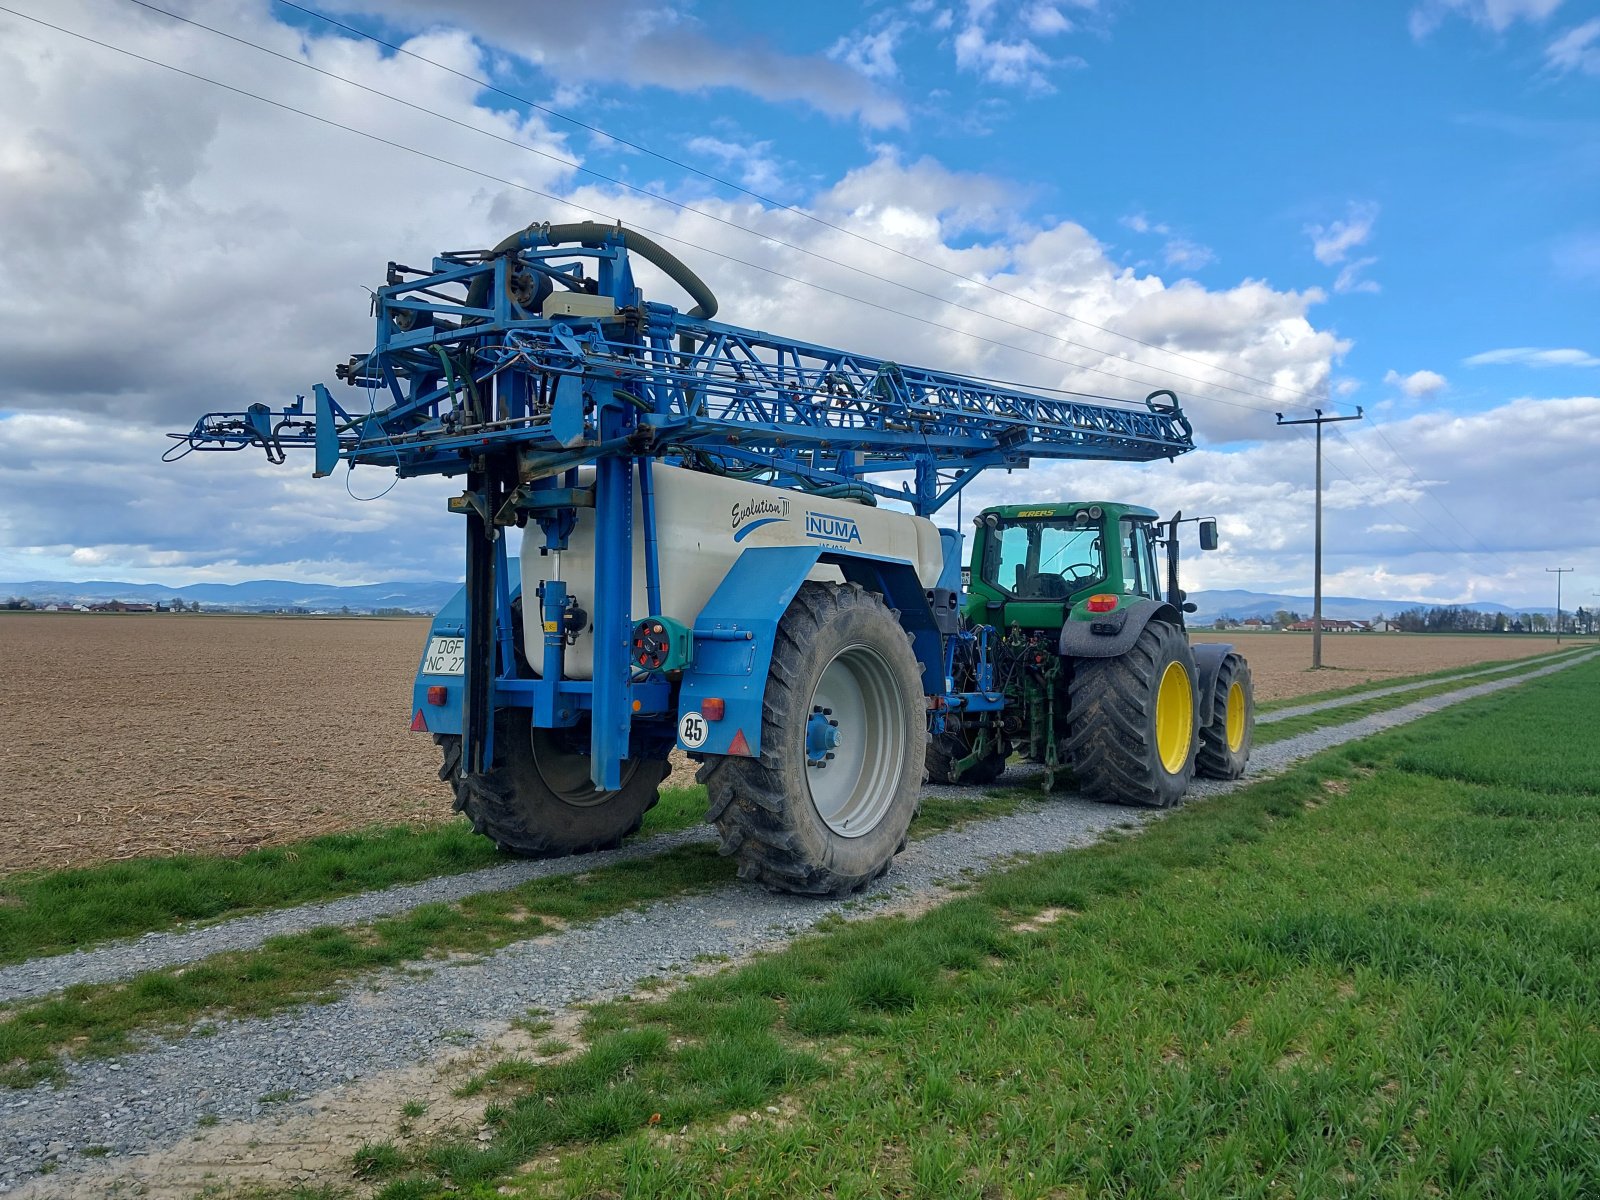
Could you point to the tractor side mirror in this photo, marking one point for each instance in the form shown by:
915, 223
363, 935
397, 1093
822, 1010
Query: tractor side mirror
1208, 534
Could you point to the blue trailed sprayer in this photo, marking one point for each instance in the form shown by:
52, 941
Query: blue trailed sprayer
727, 549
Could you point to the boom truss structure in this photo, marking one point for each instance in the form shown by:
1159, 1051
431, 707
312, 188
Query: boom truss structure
522, 349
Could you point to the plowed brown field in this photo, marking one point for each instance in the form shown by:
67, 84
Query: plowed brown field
157, 734
1280, 663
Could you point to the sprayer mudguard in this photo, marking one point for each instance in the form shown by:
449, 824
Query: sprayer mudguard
1078, 640
734, 635
449, 622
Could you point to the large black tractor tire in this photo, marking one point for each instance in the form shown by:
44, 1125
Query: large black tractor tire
828, 828
538, 802
947, 749
1225, 743
1134, 721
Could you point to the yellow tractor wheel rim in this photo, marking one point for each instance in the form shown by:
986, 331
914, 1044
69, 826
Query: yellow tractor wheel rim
1235, 716
1174, 718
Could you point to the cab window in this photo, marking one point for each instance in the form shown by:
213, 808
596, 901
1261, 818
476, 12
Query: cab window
1139, 575
1043, 559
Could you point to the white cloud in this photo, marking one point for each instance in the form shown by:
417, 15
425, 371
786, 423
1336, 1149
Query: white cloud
1578, 49
1494, 15
645, 42
1140, 223
1350, 278
871, 53
1532, 356
1419, 385
1346, 387
757, 169
1180, 252
1416, 514
1187, 255
1332, 243
1018, 63
1000, 43
1045, 20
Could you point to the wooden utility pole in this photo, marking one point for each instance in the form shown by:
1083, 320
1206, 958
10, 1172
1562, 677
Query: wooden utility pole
1558, 572
1316, 601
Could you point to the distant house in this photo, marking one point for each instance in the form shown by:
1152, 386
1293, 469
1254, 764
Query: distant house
1332, 626
122, 606
1253, 623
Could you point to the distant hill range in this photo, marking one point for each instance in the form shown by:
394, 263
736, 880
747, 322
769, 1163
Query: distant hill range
428, 596
255, 595
1243, 605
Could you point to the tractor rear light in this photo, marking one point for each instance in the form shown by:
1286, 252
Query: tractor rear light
438, 694
1104, 602
713, 708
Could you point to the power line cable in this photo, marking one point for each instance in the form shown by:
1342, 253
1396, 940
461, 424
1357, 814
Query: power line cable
688, 208
1306, 435
328, 121
1467, 529
1455, 547
1482, 552
783, 207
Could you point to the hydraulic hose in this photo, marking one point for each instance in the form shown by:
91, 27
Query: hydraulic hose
592, 233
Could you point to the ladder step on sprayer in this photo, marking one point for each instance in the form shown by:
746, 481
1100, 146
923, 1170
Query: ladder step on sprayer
706, 565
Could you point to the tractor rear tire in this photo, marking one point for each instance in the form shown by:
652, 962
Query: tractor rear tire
538, 802
795, 822
1134, 721
1225, 743
947, 749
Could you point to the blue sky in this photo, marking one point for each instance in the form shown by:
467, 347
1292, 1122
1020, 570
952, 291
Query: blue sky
1288, 205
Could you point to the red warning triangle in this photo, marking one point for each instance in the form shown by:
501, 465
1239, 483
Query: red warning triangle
739, 746
418, 725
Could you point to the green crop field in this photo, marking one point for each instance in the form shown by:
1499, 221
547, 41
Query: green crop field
1378, 974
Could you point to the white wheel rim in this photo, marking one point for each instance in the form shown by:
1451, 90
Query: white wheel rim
854, 789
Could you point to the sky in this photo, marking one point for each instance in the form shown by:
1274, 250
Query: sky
1267, 207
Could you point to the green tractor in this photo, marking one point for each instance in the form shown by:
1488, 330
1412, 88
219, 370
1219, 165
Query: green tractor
1093, 658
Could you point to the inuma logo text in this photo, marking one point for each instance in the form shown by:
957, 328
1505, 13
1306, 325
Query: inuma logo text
831, 528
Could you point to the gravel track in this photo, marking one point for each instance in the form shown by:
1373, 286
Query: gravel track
154, 1097
128, 957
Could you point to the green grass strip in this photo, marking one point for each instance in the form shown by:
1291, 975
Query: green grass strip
1376, 974
65, 910
1277, 731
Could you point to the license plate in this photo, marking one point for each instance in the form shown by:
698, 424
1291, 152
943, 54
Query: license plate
445, 656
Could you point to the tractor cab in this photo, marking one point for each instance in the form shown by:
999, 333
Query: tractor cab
1032, 564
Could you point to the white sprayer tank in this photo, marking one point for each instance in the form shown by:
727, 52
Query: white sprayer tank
703, 523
